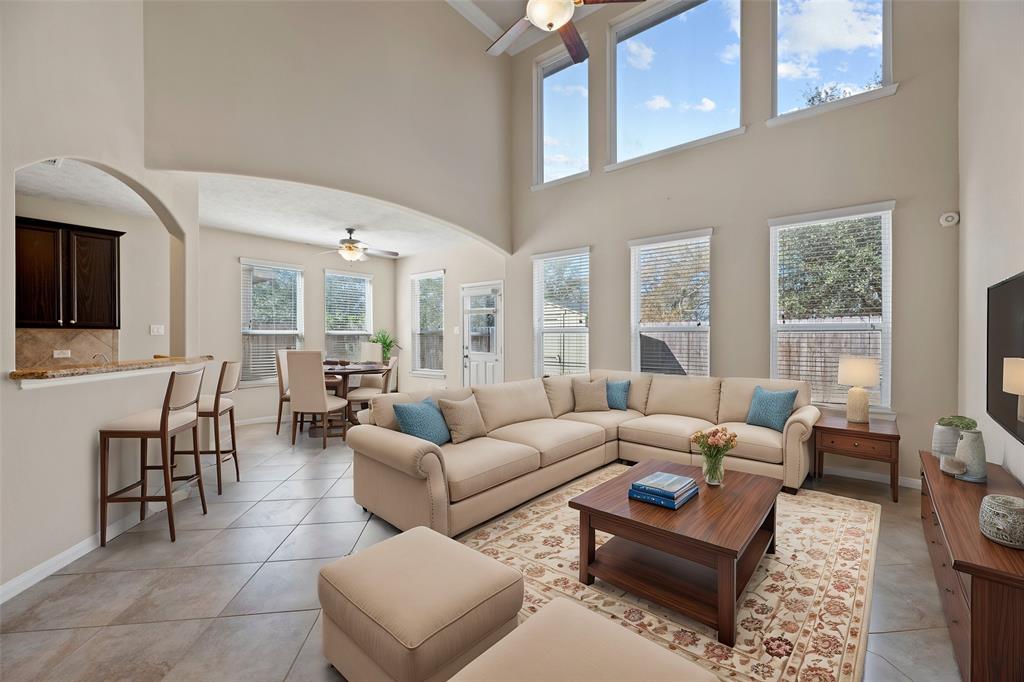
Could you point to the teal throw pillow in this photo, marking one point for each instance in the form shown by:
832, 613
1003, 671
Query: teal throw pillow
618, 394
771, 409
423, 420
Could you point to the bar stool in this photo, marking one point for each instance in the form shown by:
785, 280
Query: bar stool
179, 413
309, 392
283, 392
214, 407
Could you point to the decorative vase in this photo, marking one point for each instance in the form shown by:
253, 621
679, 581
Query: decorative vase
714, 471
970, 450
1001, 519
944, 440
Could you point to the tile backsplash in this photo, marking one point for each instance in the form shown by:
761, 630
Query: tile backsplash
34, 347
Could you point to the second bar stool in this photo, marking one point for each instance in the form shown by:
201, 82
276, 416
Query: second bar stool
216, 406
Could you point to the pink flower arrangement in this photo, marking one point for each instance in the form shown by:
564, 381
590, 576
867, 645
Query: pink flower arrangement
714, 444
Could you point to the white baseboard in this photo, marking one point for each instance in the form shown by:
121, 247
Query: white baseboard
17, 585
865, 475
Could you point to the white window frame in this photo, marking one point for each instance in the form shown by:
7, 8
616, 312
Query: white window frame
885, 208
636, 246
369, 304
299, 313
415, 314
636, 21
889, 86
550, 63
538, 309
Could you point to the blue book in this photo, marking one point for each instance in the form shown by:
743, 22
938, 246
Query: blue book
662, 501
661, 493
663, 483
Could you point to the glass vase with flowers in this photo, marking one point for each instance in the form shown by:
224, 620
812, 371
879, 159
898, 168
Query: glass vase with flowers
714, 444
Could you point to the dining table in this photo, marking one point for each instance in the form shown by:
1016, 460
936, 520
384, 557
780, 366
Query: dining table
336, 376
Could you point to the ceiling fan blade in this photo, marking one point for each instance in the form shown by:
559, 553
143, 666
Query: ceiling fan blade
573, 42
381, 252
320, 253
508, 37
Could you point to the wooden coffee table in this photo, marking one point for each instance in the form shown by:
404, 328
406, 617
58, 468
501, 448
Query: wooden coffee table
696, 560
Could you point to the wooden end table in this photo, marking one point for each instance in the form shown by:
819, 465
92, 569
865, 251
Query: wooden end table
695, 560
878, 440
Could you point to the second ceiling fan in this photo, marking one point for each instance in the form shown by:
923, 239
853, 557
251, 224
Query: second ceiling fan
550, 16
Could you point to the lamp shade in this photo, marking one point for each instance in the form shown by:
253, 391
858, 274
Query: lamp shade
855, 371
1013, 375
549, 15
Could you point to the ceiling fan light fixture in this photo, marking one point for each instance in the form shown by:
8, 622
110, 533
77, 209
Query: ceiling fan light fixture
549, 15
351, 252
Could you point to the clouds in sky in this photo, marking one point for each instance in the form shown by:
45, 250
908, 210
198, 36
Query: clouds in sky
657, 103
639, 55
808, 28
731, 53
660, 103
705, 105
551, 141
580, 90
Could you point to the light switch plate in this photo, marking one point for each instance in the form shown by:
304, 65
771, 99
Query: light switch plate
156, 330
61, 353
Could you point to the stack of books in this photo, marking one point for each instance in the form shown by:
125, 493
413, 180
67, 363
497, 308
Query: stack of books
663, 489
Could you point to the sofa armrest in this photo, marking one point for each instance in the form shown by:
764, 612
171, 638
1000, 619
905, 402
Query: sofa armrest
395, 449
797, 448
804, 420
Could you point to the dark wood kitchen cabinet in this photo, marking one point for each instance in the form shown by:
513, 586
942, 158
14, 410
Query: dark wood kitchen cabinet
67, 276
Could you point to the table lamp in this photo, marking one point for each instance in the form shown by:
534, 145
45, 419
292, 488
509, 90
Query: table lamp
1013, 382
859, 374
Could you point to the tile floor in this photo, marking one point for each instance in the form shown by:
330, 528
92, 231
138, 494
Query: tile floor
235, 597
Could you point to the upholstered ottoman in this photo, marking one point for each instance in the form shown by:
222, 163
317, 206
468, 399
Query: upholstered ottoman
567, 641
418, 606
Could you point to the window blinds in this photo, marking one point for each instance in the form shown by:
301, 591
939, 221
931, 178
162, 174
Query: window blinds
272, 300
671, 304
831, 296
428, 321
347, 314
561, 312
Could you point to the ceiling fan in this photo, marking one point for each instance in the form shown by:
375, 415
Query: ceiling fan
351, 249
550, 16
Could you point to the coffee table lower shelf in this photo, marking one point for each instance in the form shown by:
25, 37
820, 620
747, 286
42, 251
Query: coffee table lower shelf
678, 583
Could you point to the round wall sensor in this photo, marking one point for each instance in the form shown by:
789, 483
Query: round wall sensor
949, 219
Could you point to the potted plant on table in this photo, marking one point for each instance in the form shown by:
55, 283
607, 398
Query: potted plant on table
714, 444
387, 343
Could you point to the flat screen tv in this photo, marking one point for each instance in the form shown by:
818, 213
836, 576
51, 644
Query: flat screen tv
1005, 340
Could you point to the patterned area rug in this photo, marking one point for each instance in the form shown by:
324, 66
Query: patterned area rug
802, 617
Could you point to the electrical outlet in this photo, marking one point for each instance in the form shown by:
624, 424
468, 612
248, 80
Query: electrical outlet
156, 330
61, 353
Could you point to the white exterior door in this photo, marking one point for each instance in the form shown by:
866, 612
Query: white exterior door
482, 334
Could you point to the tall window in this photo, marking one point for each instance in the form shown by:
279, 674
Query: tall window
562, 138
561, 312
271, 315
428, 322
832, 296
671, 303
827, 50
348, 314
676, 76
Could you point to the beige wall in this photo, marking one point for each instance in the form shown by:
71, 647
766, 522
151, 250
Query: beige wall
82, 97
145, 270
463, 265
991, 192
901, 148
393, 100
220, 305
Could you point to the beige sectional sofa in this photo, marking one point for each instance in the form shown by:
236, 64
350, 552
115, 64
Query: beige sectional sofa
536, 441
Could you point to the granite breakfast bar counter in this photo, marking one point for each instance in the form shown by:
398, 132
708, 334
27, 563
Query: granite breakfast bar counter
37, 377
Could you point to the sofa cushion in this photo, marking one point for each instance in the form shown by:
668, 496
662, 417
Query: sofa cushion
512, 402
555, 439
382, 410
639, 385
618, 395
771, 409
608, 420
417, 600
481, 463
755, 442
590, 396
423, 420
738, 391
669, 431
565, 640
559, 390
685, 395
463, 419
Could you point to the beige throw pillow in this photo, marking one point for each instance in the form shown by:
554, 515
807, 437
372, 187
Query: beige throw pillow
463, 419
591, 396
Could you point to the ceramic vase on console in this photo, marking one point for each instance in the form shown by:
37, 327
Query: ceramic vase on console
970, 451
714, 444
945, 438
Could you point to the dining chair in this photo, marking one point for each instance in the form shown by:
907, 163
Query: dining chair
179, 413
216, 406
371, 385
283, 395
309, 392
